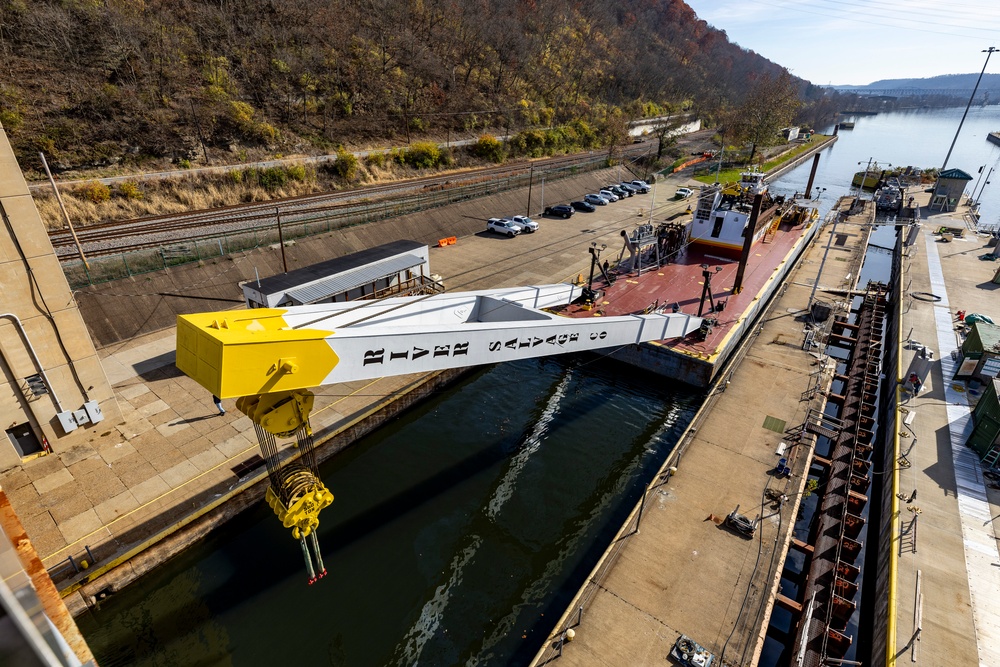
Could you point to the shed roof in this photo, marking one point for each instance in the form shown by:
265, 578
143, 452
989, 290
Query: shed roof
955, 174
348, 280
310, 274
983, 337
989, 336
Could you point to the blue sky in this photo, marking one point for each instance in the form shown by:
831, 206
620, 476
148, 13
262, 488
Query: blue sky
860, 41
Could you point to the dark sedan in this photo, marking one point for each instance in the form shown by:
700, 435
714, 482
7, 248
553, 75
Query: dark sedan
620, 191
583, 206
559, 210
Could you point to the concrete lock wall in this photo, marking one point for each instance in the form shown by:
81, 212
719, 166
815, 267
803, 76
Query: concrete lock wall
42, 331
151, 302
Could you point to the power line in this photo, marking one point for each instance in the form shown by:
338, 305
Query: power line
854, 16
974, 14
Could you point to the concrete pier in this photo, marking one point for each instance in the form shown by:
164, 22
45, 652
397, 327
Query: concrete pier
945, 605
673, 569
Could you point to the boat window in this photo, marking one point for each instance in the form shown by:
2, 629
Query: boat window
717, 228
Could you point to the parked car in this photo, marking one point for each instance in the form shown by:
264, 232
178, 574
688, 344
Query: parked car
559, 211
526, 224
596, 200
583, 206
618, 191
628, 187
609, 195
683, 193
503, 226
641, 186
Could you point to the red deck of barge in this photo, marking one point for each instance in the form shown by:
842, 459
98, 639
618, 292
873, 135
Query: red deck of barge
681, 282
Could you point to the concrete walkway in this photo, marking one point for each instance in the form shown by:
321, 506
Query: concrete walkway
949, 536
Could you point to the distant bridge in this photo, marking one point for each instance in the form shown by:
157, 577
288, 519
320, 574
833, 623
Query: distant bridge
916, 92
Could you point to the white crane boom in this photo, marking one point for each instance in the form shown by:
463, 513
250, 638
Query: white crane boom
266, 350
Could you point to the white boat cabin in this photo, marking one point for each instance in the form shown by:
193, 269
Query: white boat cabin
722, 214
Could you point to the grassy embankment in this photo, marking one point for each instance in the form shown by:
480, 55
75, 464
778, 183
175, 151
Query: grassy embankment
93, 202
733, 174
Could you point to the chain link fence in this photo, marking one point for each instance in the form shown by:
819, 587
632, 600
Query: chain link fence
261, 230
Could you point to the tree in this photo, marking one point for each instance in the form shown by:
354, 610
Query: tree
666, 132
770, 105
616, 132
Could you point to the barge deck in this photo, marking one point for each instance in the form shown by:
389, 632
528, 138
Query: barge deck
680, 284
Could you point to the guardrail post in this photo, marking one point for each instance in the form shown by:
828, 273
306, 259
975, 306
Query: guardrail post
73, 563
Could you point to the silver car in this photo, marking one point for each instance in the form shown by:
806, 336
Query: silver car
503, 226
596, 200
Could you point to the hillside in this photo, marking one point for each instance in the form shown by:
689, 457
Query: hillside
990, 82
136, 85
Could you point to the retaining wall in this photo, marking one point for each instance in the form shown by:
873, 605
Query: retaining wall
123, 309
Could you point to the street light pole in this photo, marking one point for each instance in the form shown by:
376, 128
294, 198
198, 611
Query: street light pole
988, 53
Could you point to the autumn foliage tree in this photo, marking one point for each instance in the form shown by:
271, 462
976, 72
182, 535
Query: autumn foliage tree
769, 105
98, 83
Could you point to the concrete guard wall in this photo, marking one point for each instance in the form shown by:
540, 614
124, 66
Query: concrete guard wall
42, 331
885, 520
142, 304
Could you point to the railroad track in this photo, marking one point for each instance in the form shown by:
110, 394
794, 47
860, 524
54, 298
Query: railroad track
336, 209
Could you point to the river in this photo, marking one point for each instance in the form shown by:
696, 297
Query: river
459, 533
918, 138
462, 529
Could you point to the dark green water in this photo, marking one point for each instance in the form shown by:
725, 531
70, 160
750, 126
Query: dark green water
458, 535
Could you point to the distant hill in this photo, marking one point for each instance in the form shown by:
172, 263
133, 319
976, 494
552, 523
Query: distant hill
990, 82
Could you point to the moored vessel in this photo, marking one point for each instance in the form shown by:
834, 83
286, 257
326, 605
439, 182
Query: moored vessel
723, 212
668, 269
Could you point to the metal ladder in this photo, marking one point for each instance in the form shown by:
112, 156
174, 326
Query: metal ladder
991, 457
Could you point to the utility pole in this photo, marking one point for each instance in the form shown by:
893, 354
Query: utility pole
988, 53
281, 240
531, 178
62, 207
